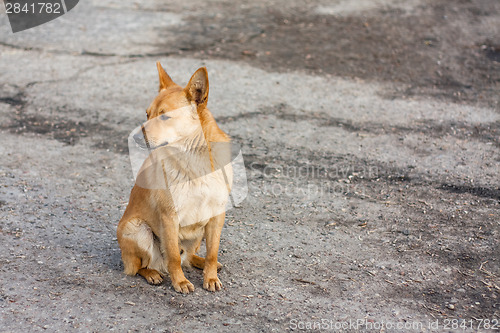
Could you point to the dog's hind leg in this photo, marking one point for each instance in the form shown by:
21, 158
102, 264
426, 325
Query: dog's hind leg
188, 250
199, 262
138, 250
191, 248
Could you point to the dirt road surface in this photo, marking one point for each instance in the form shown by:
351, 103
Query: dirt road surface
371, 137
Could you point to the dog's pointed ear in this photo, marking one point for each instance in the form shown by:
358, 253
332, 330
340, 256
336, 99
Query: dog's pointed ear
197, 88
165, 80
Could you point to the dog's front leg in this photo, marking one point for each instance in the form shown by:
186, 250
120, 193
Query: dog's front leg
213, 230
173, 258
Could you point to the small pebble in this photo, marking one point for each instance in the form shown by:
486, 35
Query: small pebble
451, 306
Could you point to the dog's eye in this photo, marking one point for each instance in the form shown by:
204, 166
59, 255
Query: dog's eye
164, 117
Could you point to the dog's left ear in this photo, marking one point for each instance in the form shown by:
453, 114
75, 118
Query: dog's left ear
197, 88
165, 80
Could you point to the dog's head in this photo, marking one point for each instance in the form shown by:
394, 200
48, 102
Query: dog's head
173, 114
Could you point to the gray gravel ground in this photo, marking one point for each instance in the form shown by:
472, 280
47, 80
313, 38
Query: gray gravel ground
371, 137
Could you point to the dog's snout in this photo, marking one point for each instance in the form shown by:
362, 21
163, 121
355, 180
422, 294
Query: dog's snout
139, 138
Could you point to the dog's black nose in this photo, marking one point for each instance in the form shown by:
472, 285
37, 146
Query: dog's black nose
139, 139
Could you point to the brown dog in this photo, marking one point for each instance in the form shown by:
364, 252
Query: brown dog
181, 190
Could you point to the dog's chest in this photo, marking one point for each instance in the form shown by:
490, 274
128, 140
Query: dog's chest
199, 199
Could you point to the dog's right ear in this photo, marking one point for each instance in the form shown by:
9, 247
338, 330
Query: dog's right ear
165, 80
197, 88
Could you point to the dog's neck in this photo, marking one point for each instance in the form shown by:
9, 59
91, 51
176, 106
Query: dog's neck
192, 153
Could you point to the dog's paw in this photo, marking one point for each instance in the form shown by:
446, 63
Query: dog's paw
152, 276
212, 284
184, 286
